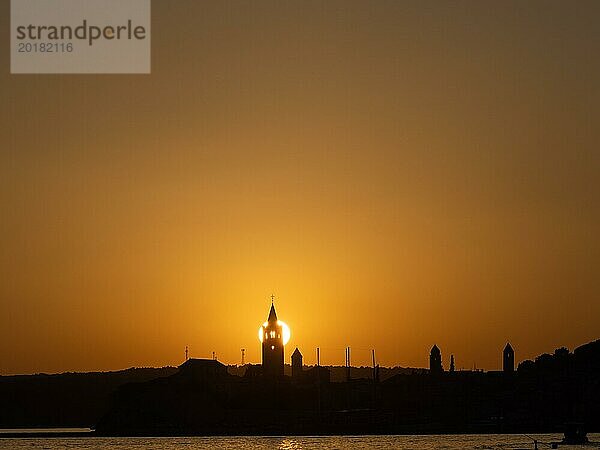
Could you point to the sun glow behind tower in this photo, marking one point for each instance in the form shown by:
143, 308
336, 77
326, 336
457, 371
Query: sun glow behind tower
285, 331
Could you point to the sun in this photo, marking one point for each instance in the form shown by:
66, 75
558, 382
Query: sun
285, 330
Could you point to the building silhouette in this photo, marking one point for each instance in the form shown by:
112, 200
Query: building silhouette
435, 360
272, 346
203, 368
452, 368
296, 364
508, 359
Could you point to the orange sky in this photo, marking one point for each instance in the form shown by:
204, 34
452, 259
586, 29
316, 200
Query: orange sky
399, 174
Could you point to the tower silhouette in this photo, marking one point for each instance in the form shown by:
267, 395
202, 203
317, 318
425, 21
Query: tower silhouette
508, 359
272, 345
296, 364
435, 360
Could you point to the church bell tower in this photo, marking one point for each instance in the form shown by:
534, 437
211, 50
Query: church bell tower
272, 345
508, 359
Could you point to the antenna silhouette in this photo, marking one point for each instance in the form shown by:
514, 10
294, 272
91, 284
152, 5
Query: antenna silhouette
374, 367
243, 356
347, 363
186, 353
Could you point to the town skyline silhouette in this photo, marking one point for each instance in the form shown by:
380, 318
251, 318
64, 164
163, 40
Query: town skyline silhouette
203, 396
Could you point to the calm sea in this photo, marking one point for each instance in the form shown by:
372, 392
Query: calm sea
452, 442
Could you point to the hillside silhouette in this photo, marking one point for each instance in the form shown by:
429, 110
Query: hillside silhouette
64, 400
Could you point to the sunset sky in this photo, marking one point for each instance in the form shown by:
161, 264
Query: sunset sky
397, 173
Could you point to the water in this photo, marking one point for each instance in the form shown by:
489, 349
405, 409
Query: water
446, 442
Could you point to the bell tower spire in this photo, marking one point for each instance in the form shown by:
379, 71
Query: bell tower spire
272, 344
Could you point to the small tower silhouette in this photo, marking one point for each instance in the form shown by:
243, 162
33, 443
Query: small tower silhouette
272, 345
508, 359
435, 360
451, 363
296, 364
